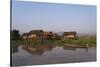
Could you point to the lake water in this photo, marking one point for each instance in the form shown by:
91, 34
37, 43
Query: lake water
53, 55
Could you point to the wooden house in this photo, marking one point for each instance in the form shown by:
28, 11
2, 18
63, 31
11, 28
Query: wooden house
47, 35
25, 36
69, 35
35, 34
56, 36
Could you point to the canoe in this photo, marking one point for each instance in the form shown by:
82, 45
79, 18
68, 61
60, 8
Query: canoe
75, 46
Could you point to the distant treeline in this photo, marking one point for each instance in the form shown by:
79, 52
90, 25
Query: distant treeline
15, 35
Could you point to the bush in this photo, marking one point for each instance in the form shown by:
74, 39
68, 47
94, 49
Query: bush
83, 41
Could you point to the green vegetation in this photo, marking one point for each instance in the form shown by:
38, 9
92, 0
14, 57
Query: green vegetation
81, 41
15, 44
15, 40
47, 42
15, 35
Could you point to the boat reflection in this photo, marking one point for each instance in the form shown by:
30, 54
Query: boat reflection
69, 48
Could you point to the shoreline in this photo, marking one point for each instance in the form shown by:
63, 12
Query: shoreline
51, 46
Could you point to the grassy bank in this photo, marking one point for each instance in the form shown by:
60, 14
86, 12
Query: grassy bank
15, 44
81, 41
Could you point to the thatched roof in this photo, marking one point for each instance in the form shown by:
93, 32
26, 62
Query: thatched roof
47, 33
69, 33
36, 32
55, 34
25, 34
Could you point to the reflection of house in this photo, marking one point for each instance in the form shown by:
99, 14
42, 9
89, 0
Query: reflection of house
39, 49
69, 35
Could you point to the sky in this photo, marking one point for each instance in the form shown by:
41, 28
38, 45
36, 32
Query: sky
53, 17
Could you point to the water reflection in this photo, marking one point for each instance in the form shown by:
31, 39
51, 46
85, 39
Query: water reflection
74, 49
14, 50
69, 48
86, 49
39, 49
47, 54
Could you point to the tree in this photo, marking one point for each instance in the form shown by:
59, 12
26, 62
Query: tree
15, 35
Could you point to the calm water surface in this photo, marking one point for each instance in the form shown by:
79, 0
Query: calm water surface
52, 56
